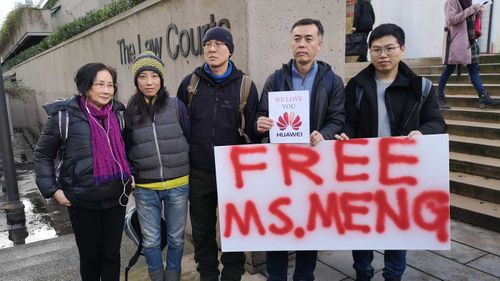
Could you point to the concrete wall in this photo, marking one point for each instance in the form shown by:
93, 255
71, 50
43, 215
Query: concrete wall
269, 24
260, 29
495, 28
423, 22
72, 9
22, 113
33, 22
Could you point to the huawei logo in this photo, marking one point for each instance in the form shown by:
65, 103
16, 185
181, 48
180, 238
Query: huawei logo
289, 119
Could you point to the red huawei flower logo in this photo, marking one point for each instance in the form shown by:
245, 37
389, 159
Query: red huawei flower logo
289, 119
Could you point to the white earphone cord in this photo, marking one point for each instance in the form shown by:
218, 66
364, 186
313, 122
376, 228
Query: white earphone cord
106, 132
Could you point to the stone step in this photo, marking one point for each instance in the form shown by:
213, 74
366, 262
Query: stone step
475, 146
476, 212
476, 129
468, 89
475, 165
467, 101
486, 78
438, 69
495, 58
475, 187
473, 114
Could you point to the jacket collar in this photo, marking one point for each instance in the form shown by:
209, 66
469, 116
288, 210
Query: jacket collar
323, 69
235, 74
72, 105
405, 78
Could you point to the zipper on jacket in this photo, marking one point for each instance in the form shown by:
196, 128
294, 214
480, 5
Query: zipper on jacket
215, 114
409, 117
158, 150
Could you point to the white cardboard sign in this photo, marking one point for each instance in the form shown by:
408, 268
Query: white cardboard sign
378, 193
290, 112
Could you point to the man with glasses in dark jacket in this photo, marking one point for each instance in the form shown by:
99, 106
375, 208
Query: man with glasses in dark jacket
326, 95
388, 99
215, 120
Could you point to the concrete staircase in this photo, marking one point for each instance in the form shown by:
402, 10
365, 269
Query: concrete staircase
474, 140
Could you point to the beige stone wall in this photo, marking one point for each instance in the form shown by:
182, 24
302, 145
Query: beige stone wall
260, 29
33, 22
269, 24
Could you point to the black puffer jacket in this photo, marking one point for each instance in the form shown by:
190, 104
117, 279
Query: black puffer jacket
364, 17
215, 115
402, 99
327, 98
77, 169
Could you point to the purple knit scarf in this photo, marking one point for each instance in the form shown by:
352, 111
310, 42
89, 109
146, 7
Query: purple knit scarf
107, 142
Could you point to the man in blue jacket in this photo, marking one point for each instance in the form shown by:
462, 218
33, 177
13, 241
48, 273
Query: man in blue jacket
326, 93
388, 99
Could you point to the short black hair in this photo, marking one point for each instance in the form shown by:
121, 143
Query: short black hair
308, 21
85, 77
387, 29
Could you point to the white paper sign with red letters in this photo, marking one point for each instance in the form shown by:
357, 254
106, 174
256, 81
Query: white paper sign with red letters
290, 113
378, 193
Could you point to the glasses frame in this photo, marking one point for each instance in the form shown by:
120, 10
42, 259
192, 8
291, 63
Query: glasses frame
217, 45
387, 50
102, 85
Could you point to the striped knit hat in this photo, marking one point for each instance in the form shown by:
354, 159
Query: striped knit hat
147, 61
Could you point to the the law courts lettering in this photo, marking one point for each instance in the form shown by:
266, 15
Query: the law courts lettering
176, 41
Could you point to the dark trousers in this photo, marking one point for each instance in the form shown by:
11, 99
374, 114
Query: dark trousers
394, 264
98, 235
363, 48
202, 209
277, 265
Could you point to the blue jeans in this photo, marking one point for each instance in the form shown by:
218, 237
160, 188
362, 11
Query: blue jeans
473, 74
394, 264
277, 265
149, 210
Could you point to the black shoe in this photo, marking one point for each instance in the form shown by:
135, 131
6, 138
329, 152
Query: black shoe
485, 100
443, 104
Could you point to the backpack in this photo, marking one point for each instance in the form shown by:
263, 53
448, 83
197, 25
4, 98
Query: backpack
246, 83
132, 229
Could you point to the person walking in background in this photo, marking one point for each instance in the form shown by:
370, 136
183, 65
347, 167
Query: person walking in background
363, 21
461, 48
93, 180
214, 104
326, 91
157, 129
381, 102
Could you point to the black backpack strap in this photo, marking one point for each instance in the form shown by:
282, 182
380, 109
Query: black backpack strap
133, 261
278, 80
63, 124
121, 119
426, 89
63, 121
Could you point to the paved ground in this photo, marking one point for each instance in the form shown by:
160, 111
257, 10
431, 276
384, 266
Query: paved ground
475, 256
475, 253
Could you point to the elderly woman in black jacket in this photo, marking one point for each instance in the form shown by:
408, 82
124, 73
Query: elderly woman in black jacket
85, 130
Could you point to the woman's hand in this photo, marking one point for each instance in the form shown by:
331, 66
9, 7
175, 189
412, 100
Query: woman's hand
61, 198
